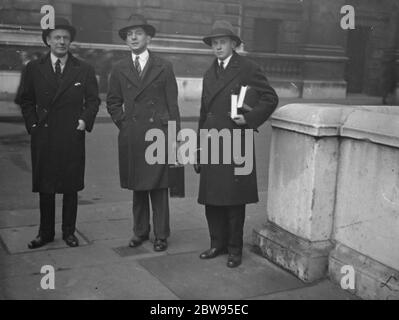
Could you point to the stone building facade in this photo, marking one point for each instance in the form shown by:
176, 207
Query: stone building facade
300, 43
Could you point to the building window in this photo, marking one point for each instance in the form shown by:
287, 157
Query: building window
93, 23
266, 34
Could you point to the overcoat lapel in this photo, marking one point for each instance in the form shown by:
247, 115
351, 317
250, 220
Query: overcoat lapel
146, 67
214, 84
47, 71
130, 72
155, 67
72, 69
150, 72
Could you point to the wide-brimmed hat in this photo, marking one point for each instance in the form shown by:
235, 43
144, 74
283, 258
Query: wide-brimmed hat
221, 28
136, 21
59, 23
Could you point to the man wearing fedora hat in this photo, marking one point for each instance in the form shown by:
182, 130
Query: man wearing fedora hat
142, 96
59, 102
224, 193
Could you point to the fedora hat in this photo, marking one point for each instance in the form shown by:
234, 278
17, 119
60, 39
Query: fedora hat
135, 21
59, 23
221, 28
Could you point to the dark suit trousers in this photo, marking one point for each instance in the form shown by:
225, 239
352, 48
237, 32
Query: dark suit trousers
160, 213
47, 214
226, 227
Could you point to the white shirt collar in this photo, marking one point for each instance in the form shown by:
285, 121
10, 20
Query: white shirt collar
55, 58
143, 57
225, 61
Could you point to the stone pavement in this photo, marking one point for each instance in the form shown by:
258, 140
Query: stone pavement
103, 267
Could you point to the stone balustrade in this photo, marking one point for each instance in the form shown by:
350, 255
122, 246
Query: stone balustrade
280, 65
333, 195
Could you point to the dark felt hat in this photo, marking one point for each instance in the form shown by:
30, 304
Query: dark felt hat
135, 21
59, 23
221, 28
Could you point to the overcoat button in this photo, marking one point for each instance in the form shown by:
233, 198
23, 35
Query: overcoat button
151, 120
46, 125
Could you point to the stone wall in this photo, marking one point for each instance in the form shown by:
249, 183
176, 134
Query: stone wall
333, 196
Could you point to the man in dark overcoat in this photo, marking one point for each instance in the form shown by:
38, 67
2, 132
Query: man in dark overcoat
224, 192
59, 102
142, 96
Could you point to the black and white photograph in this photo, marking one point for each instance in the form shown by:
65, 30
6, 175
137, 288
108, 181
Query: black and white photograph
199, 156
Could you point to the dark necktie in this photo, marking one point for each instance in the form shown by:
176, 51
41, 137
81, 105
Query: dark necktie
220, 68
58, 69
137, 65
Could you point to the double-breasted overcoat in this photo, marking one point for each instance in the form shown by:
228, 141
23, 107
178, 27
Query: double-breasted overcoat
219, 183
138, 104
57, 147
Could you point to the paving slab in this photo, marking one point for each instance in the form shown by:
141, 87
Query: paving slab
120, 249
83, 256
102, 252
24, 264
180, 241
194, 240
3, 252
127, 280
105, 211
191, 278
126, 251
106, 230
324, 290
88, 212
19, 218
16, 239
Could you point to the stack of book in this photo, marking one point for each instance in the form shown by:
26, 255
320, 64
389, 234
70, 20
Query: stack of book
237, 102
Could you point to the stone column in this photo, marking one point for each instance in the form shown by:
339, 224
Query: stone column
366, 217
333, 196
301, 189
324, 65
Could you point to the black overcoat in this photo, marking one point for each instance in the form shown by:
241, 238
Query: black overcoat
57, 147
219, 183
136, 105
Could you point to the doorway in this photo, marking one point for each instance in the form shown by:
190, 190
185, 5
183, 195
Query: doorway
356, 51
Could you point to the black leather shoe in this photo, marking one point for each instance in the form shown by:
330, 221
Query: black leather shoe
160, 245
212, 253
135, 241
38, 242
71, 240
234, 260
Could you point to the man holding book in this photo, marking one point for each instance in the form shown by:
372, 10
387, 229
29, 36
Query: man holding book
223, 192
